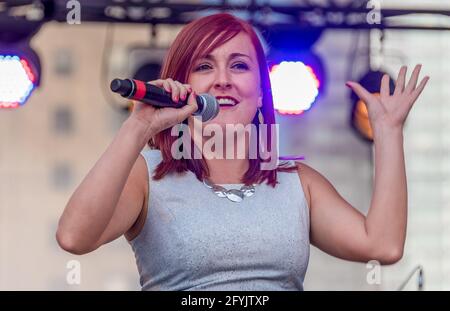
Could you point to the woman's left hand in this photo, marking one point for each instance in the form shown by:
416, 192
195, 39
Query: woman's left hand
390, 111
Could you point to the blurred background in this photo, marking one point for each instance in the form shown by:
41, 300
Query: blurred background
57, 116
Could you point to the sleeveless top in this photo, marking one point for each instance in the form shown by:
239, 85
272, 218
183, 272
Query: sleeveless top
194, 240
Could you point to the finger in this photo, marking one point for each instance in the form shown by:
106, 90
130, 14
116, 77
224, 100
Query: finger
188, 109
188, 88
360, 91
419, 89
182, 89
158, 82
400, 82
175, 90
413, 80
167, 86
192, 101
384, 90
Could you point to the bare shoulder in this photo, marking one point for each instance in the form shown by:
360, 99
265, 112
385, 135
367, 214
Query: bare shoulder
304, 172
316, 184
313, 182
308, 173
305, 169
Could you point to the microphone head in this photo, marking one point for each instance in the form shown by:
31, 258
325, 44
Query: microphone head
210, 107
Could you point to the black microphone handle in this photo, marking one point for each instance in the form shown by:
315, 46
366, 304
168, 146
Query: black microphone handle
151, 94
208, 107
160, 98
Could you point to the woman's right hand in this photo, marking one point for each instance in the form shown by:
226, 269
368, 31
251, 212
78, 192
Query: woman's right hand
158, 119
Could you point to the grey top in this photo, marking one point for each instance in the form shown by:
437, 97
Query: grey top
195, 240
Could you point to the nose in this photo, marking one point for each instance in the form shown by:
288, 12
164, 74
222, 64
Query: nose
222, 81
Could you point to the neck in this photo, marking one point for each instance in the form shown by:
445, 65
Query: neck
225, 171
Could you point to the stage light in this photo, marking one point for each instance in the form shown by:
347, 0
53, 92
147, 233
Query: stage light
297, 81
20, 68
297, 75
19, 74
17, 81
359, 120
295, 87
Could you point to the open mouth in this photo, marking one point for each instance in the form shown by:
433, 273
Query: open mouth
226, 101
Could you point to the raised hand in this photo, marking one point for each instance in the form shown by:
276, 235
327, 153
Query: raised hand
158, 119
390, 111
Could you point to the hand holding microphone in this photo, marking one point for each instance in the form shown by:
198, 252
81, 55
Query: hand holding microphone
178, 100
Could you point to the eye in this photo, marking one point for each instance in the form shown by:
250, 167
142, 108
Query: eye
240, 66
202, 67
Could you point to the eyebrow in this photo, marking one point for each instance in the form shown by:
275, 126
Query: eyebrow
232, 55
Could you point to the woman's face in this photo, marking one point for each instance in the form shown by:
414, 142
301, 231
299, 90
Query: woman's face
231, 74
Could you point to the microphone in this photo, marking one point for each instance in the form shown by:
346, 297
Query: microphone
208, 108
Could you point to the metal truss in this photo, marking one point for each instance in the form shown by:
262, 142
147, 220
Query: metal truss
356, 15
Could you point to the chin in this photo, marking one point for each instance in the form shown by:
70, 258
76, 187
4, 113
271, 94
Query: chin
232, 116
223, 121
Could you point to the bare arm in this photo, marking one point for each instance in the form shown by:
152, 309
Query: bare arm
110, 198
387, 218
93, 204
338, 228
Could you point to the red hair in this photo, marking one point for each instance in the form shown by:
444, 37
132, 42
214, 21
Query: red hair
197, 39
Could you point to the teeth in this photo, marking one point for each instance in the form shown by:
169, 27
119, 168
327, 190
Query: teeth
226, 101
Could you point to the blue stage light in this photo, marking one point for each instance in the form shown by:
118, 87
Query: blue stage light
17, 81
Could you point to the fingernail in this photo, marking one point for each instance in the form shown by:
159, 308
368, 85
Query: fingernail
348, 84
176, 99
183, 97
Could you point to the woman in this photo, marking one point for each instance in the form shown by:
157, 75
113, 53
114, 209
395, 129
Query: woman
187, 236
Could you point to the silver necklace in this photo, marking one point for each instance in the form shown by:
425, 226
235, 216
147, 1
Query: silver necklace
235, 195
